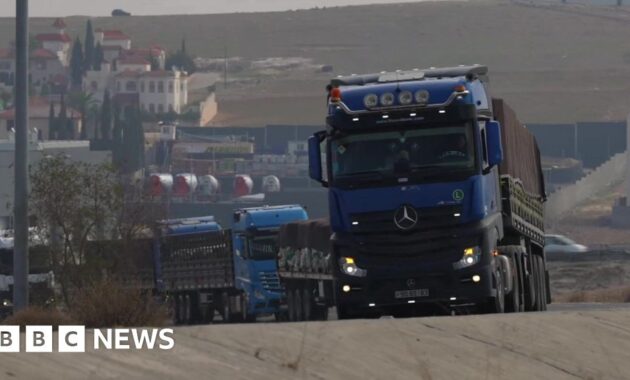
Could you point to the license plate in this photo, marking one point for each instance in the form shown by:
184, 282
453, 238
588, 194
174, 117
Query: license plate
411, 293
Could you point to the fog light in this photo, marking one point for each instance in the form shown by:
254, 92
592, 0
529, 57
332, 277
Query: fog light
346, 288
476, 278
372, 305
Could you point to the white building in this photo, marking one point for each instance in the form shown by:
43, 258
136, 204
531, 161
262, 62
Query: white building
113, 38
159, 91
97, 82
57, 42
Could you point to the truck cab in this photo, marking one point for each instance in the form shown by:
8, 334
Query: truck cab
254, 233
411, 160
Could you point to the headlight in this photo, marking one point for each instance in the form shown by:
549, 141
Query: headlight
471, 257
405, 97
370, 101
349, 267
422, 97
7, 303
387, 99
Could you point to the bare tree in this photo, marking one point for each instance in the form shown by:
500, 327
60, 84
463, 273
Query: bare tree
80, 204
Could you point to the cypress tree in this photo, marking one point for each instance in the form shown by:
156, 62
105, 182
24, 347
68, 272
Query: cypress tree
70, 129
106, 116
76, 64
89, 59
52, 123
117, 137
62, 121
99, 56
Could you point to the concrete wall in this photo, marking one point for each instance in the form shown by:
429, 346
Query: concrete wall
567, 198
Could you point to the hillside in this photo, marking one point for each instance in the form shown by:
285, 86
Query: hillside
552, 63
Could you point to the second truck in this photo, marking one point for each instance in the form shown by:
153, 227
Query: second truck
436, 198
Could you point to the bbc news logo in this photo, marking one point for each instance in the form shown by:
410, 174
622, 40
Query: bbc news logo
73, 339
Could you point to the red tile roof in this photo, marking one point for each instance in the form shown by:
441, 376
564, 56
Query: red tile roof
53, 37
43, 54
133, 60
113, 35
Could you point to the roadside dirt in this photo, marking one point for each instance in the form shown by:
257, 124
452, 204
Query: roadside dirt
552, 345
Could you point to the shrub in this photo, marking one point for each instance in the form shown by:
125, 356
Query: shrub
37, 315
108, 304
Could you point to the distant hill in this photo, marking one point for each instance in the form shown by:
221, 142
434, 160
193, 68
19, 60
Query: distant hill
553, 63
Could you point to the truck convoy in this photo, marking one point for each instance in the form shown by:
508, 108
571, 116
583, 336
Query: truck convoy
435, 198
201, 268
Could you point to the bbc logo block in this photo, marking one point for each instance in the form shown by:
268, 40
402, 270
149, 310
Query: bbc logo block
73, 339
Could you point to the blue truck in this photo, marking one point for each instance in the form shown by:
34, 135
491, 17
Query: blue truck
435, 195
202, 268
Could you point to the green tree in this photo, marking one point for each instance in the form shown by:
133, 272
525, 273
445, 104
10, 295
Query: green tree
76, 64
106, 117
52, 123
181, 60
70, 129
99, 57
62, 121
89, 59
82, 102
117, 137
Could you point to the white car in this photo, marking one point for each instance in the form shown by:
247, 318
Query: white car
562, 244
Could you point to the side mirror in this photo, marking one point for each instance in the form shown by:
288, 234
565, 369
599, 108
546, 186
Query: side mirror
495, 149
315, 167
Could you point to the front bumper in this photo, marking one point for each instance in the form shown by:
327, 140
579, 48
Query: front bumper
449, 288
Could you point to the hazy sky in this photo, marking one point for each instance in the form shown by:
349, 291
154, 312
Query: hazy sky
51, 8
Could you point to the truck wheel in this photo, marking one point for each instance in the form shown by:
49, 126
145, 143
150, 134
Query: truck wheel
226, 311
531, 284
290, 305
307, 302
496, 304
513, 300
247, 318
542, 282
187, 317
343, 312
538, 293
175, 310
297, 299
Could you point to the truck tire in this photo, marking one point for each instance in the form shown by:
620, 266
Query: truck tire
297, 299
245, 316
175, 310
531, 283
226, 310
539, 301
514, 300
186, 309
496, 304
307, 303
290, 305
542, 284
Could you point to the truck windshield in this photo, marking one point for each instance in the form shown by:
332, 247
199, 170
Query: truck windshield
263, 247
419, 154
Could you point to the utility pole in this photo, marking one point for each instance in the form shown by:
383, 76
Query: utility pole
20, 248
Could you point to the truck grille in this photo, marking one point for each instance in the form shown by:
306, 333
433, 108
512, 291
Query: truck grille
270, 280
383, 221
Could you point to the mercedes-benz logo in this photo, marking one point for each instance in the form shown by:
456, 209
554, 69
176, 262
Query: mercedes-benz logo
411, 283
406, 217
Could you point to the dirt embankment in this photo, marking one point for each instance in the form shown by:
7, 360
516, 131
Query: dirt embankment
552, 345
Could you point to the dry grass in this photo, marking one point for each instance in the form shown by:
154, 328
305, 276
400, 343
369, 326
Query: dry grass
107, 304
37, 315
610, 295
